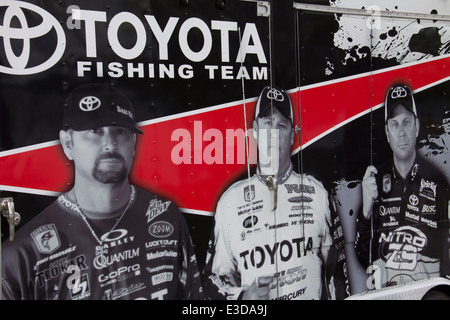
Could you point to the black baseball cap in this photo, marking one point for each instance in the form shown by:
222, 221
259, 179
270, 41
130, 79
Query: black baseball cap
272, 96
92, 106
396, 95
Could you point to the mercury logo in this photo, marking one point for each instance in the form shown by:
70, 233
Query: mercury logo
19, 63
90, 103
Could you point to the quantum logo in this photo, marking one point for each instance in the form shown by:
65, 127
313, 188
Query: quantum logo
19, 63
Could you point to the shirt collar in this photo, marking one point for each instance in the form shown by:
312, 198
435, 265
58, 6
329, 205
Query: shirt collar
283, 178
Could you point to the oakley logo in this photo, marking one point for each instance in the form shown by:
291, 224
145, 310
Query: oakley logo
19, 63
399, 92
274, 94
90, 103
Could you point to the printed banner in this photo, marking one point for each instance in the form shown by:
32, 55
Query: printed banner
209, 149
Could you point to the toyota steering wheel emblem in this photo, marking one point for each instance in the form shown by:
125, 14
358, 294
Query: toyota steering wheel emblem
18, 61
399, 92
89, 103
413, 199
274, 94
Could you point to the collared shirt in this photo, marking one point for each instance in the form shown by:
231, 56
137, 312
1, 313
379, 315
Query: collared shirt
410, 224
253, 240
148, 255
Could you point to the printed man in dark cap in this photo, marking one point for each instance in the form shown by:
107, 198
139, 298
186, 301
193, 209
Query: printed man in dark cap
271, 235
405, 204
105, 238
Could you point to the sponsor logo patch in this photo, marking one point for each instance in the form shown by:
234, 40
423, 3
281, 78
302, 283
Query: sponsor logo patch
46, 238
161, 229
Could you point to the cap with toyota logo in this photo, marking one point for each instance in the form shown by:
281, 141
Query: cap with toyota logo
399, 94
274, 97
92, 106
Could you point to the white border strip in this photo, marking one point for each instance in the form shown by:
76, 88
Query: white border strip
195, 112
365, 74
369, 12
29, 148
325, 83
29, 190
197, 212
237, 102
227, 105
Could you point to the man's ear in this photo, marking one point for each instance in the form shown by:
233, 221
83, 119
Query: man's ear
292, 135
66, 142
417, 127
386, 131
255, 129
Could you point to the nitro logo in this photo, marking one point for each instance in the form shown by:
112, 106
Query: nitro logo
15, 29
403, 246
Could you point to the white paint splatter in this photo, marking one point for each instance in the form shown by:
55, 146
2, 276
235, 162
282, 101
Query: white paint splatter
405, 40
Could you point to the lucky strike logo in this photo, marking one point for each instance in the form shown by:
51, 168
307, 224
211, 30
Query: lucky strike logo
25, 27
15, 27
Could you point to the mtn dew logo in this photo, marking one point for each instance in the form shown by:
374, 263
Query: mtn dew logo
155, 208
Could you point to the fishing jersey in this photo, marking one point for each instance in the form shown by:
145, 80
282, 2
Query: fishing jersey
147, 255
410, 226
253, 240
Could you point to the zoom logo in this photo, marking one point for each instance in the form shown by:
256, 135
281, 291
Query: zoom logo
15, 29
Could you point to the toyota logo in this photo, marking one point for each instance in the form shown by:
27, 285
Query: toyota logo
399, 92
414, 200
274, 94
19, 62
90, 103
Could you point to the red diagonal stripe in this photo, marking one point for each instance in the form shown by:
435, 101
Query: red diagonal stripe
198, 186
